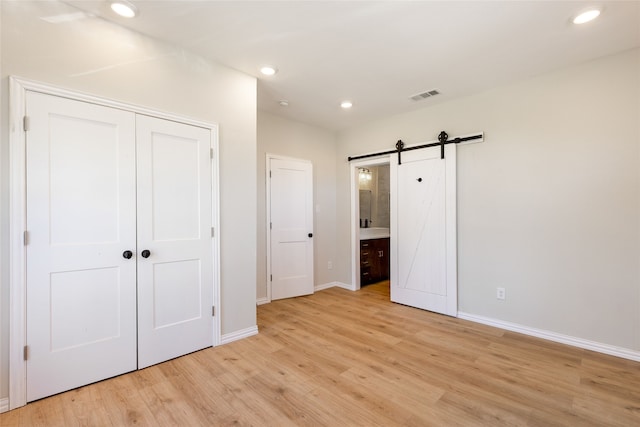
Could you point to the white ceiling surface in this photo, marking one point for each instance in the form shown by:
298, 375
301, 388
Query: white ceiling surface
379, 53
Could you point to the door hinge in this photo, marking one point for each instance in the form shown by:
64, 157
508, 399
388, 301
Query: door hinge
270, 226
211, 152
213, 310
25, 237
213, 232
269, 174
26, 352
25, 123
271, 277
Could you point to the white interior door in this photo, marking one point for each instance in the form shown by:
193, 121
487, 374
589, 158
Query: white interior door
81, 291
423, 230
291, 217
175, 277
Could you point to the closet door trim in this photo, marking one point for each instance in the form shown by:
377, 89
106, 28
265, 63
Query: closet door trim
18, 236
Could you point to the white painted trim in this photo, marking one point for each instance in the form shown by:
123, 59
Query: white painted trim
18, 88
355, 215
612, 350
215, 241
4, 405
17, 255
267, 225
325, 286
316, 288
346, 286
238, 335
267, 180
106, 102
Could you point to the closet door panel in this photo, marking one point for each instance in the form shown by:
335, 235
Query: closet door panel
81, 202
175, 277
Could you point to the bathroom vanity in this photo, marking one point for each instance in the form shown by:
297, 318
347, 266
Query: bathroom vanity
374, 255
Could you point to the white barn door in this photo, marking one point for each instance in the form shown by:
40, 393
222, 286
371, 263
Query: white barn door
175, 265
423, 230
290, 195
81, 218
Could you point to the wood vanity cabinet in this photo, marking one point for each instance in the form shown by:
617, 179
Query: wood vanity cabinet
374, 260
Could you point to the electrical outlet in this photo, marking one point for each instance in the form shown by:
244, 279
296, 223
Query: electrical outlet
330, 265
500, 293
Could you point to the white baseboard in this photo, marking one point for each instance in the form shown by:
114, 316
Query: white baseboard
334, 284
316, 288
556, 337
238, 335
4, 404
324, 286
346, 286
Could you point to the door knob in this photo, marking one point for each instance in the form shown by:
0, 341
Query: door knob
146, 253
127, 254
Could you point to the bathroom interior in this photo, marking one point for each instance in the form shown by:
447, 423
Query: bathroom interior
374, 200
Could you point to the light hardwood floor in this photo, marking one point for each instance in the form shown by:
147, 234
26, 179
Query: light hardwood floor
340, 358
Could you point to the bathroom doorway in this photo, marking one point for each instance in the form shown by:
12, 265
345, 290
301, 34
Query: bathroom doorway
370, 187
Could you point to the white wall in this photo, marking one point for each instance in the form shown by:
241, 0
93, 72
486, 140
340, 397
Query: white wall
284, 137
93, 56
4, 224
548, 205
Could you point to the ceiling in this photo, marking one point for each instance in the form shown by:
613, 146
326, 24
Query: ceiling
379, 53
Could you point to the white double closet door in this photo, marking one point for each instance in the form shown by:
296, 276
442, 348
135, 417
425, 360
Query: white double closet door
119, 250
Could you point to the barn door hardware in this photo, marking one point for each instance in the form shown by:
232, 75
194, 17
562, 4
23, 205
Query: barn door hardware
443, 139
399, 147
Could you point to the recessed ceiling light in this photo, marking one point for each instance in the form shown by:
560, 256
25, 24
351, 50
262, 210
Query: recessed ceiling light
283, 103
267, 70
124, 8
586, 16
346, 104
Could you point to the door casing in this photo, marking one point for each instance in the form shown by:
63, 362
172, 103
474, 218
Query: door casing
18, 88
354, 166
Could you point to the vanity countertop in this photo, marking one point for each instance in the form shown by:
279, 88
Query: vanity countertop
374, 233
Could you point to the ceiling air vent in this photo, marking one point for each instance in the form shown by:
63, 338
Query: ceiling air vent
424, 95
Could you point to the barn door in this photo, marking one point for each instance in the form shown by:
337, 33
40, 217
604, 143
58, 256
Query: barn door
423, 230
81, 221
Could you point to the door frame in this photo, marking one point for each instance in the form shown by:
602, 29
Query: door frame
268, 158
355, 213
18, 88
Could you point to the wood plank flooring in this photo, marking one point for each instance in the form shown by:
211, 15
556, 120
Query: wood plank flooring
341, 358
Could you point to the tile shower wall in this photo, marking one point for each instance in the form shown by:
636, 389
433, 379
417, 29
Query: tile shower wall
382, 198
